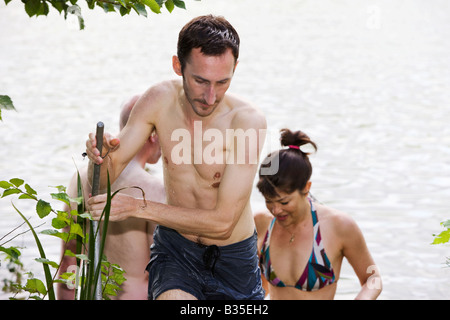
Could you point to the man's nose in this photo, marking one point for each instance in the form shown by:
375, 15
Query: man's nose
210, 95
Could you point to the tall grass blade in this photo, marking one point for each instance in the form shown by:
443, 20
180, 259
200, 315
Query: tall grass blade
105, 218
48, 276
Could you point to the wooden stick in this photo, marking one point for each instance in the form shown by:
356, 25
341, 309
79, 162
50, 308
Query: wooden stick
95, 191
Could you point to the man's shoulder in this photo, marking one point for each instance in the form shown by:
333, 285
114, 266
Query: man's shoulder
161, 92
246, 114
156, 98
166, 88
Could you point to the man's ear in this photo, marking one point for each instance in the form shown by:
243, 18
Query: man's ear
176, 65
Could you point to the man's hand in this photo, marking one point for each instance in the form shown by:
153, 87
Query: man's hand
109, 145
122, 206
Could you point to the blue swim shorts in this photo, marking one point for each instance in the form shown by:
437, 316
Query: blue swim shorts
207, 272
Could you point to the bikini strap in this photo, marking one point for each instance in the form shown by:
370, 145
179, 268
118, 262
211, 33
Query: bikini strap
270, 230
313, 213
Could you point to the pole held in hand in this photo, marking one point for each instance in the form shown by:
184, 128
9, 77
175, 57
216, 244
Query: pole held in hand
95, 191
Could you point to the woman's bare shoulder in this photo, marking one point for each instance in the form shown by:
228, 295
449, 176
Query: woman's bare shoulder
342, 222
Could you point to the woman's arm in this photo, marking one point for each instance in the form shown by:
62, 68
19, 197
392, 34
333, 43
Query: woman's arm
358, 255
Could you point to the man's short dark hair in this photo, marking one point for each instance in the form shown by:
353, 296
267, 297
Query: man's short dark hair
213, 34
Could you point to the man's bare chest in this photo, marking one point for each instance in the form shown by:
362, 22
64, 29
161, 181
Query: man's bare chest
197, 157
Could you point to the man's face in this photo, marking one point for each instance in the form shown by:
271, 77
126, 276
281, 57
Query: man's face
206, 79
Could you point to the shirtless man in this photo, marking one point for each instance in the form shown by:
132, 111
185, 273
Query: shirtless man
128, 242
205, 246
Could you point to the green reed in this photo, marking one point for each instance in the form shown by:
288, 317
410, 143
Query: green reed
69, 225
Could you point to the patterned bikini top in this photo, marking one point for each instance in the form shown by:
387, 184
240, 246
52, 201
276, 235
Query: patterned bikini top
318, 272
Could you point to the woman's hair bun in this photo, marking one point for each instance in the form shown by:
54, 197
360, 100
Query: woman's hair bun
296, 138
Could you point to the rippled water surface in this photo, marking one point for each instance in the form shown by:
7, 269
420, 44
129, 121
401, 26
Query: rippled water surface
369, 81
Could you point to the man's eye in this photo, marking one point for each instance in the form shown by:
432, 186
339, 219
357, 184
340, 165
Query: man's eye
284, 203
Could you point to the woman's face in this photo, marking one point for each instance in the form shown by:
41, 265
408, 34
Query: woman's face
287, 207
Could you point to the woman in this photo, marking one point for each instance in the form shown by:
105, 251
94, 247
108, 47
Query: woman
289, 237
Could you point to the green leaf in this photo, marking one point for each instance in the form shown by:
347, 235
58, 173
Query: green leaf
153, 5
139, 8
11, 251
5, 184
76, 229
62, 235
10, 192
43, 208
32, 7
60, 188
17, 182
78, 201
49, 262
27, 196
443, 237
35, 285
59, 5
62, 196
91, 4
6, 103
446, 224
43, 9
29, 189
169, 5
59, 223
82, 257
179, 4
69, 253
68, 278
50, 232
124, 10
118, 274
86, 215
63, 214
7, 1
108, 7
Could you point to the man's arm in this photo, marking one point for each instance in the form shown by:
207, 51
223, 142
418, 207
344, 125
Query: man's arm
118, 151
218, 223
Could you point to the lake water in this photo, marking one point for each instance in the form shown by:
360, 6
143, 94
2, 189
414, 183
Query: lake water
368, 80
